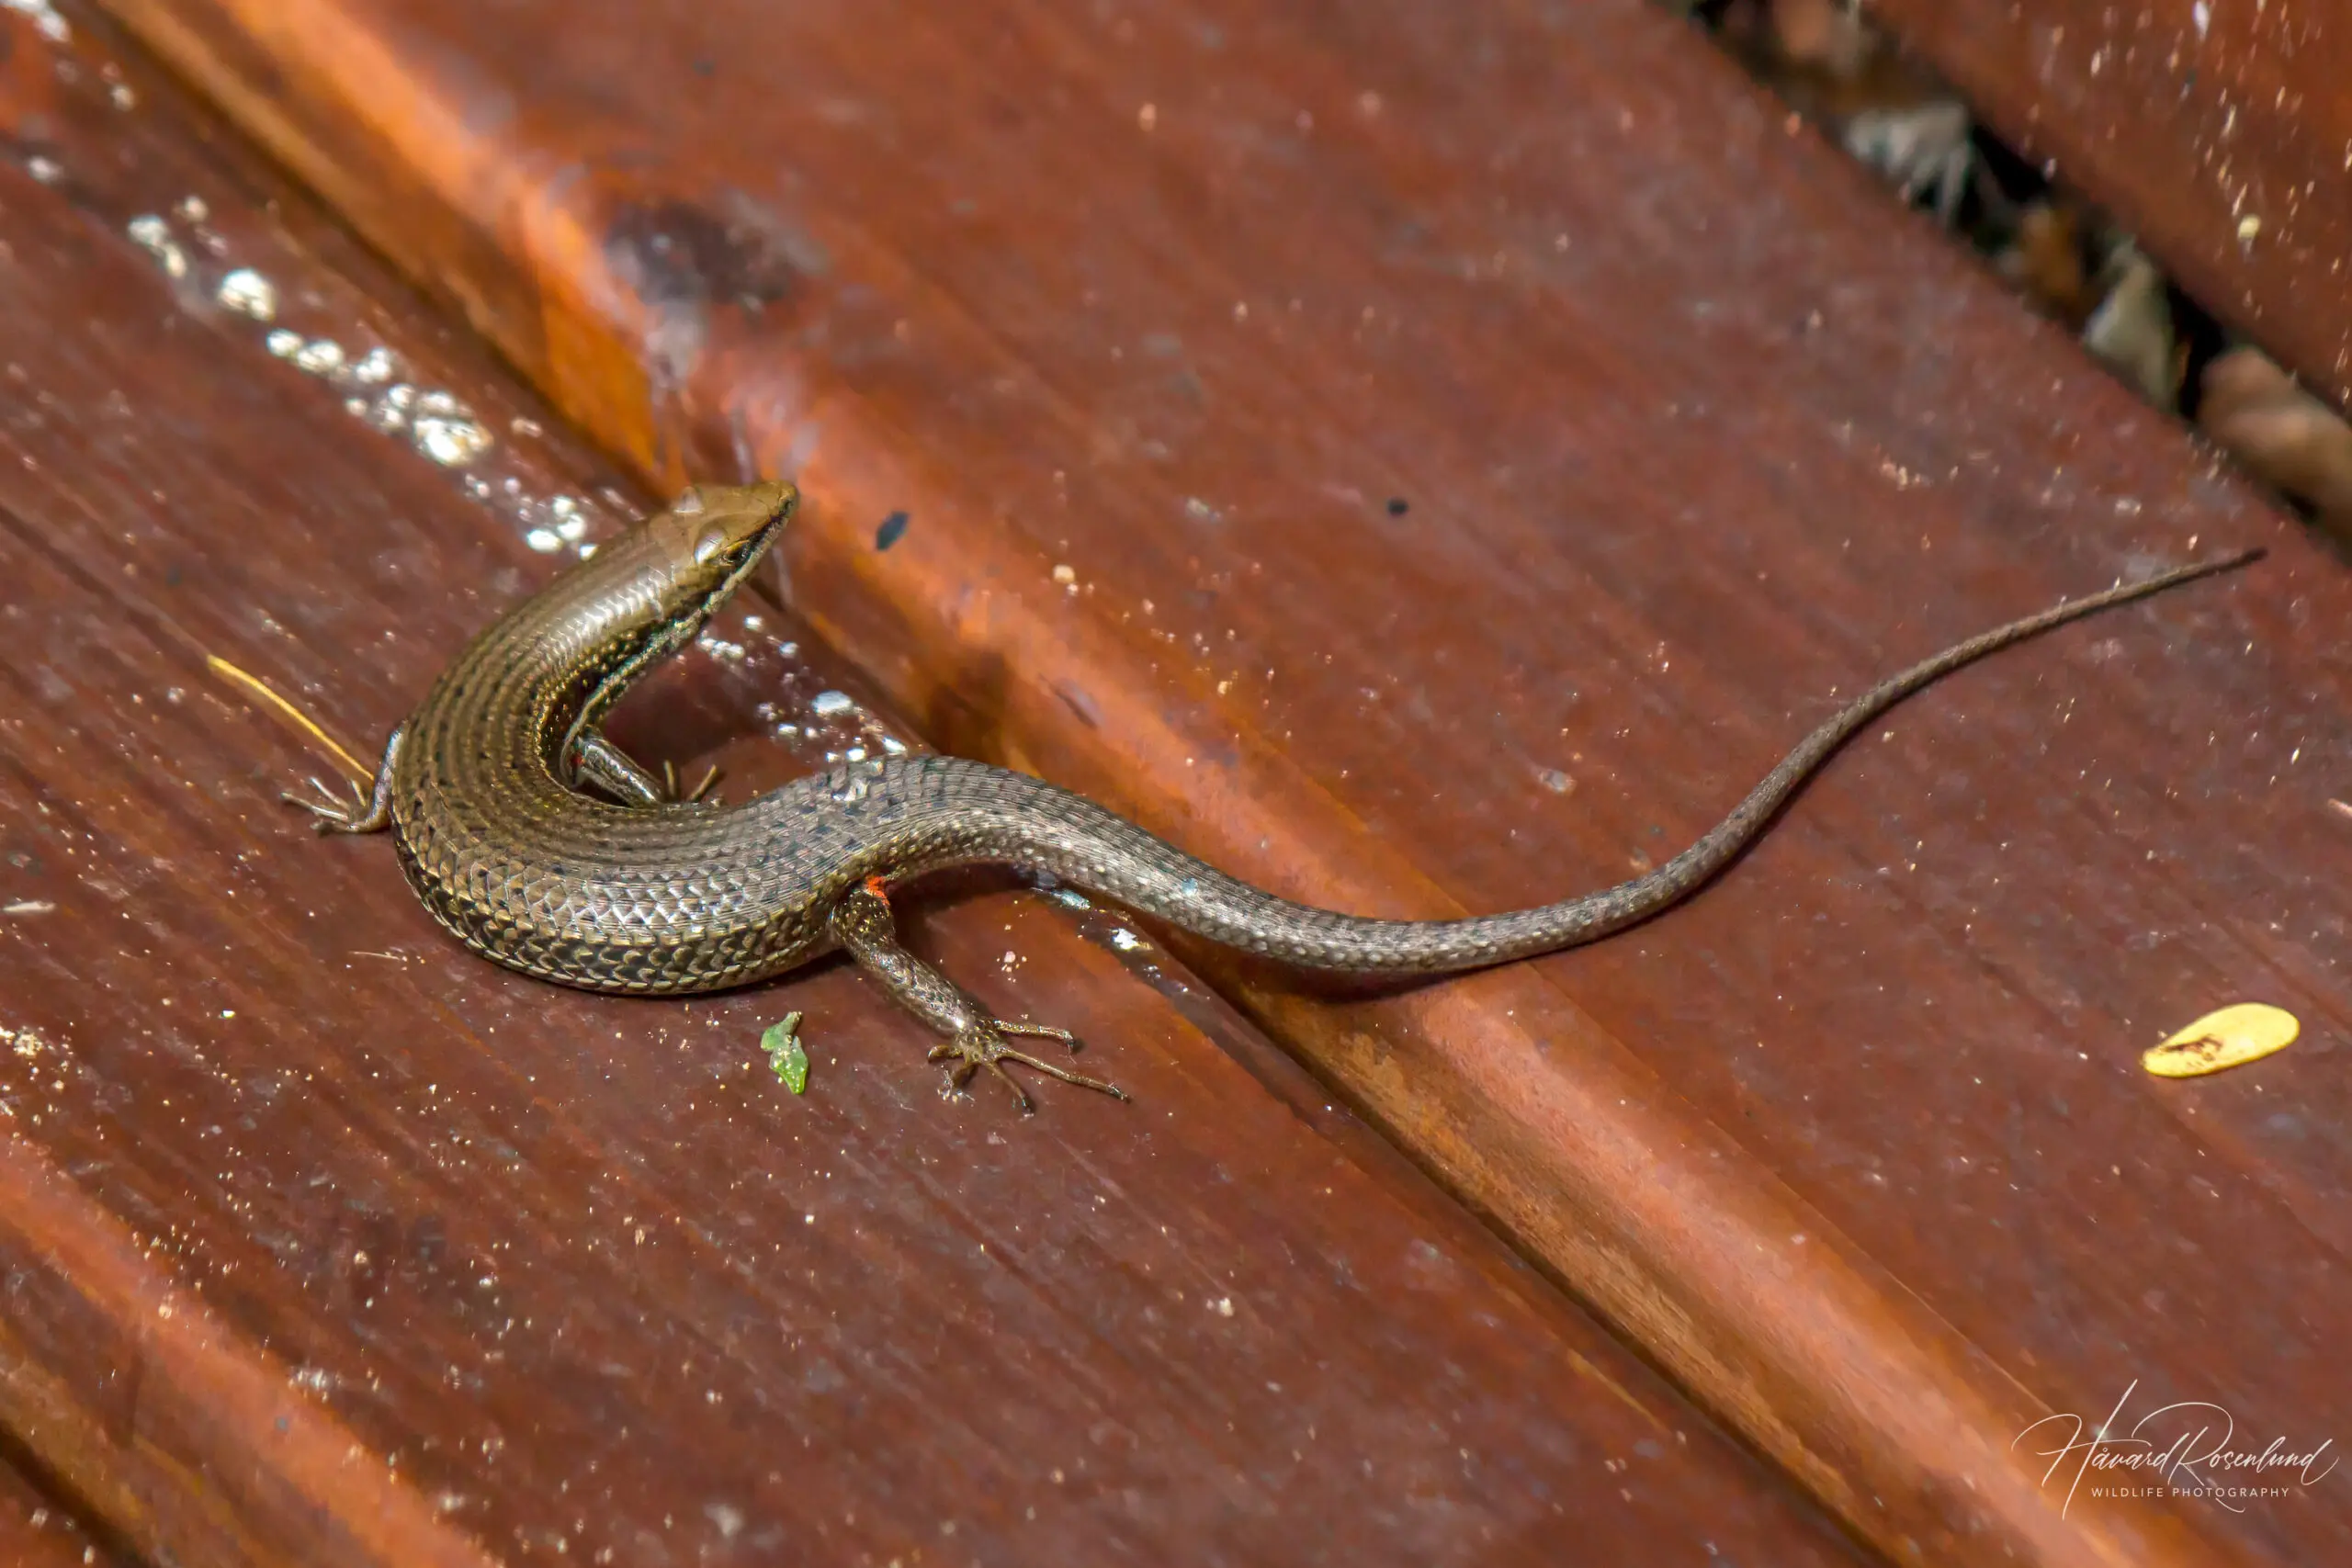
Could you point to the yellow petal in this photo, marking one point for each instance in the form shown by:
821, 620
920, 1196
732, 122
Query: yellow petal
2229, 1038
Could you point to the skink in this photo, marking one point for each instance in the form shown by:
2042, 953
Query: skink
644, 893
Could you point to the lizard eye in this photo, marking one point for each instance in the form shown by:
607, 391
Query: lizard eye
710, 545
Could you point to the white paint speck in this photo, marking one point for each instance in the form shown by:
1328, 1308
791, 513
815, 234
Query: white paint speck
248, 293
320, 356
152, 235
451, 442
44, 16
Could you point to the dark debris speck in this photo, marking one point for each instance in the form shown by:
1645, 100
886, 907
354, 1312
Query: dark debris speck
1398, 506
892, 529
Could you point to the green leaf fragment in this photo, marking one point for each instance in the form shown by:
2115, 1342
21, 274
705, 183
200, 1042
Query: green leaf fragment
782, 1042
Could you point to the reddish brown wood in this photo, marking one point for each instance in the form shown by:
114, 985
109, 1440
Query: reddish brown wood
36, 1531
326, 1244
185, 1438
1177, 301
1144, 317
2220, 134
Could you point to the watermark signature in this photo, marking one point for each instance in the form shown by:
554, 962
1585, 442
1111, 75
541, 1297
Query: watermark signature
2188, 1449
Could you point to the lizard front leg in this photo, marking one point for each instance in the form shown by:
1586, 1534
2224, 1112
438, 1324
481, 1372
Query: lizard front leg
862, 923
596, 760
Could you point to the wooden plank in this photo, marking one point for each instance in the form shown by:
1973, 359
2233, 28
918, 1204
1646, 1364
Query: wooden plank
2220, 134
1371, 443
37, 1532
326, 1244
1572, 347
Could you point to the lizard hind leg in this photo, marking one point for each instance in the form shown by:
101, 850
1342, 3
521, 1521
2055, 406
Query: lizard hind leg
973, 1041
367, 810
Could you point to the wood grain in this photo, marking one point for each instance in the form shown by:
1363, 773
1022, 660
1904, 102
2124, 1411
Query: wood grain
1432, 458
36, 1531
2221, 135
326, 1244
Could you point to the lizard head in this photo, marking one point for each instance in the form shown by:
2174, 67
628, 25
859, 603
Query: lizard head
650, 591
713, 536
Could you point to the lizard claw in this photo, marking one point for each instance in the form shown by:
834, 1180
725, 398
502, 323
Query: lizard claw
698, 795
329, 812
368, 811
980, 1044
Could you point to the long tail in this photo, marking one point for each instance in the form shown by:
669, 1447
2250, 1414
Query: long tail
1097, 849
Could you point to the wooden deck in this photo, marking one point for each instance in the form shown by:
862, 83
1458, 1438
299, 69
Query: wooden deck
1424, 458
2221, 134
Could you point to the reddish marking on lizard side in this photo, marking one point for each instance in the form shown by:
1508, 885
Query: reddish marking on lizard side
879, 888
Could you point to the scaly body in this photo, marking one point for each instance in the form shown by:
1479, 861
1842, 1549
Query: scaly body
481, 789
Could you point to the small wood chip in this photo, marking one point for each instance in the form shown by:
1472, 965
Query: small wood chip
2229, 1038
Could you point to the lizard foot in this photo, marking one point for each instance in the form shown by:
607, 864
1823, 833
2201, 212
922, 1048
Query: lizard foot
369, 808
334, 814
981, 1044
